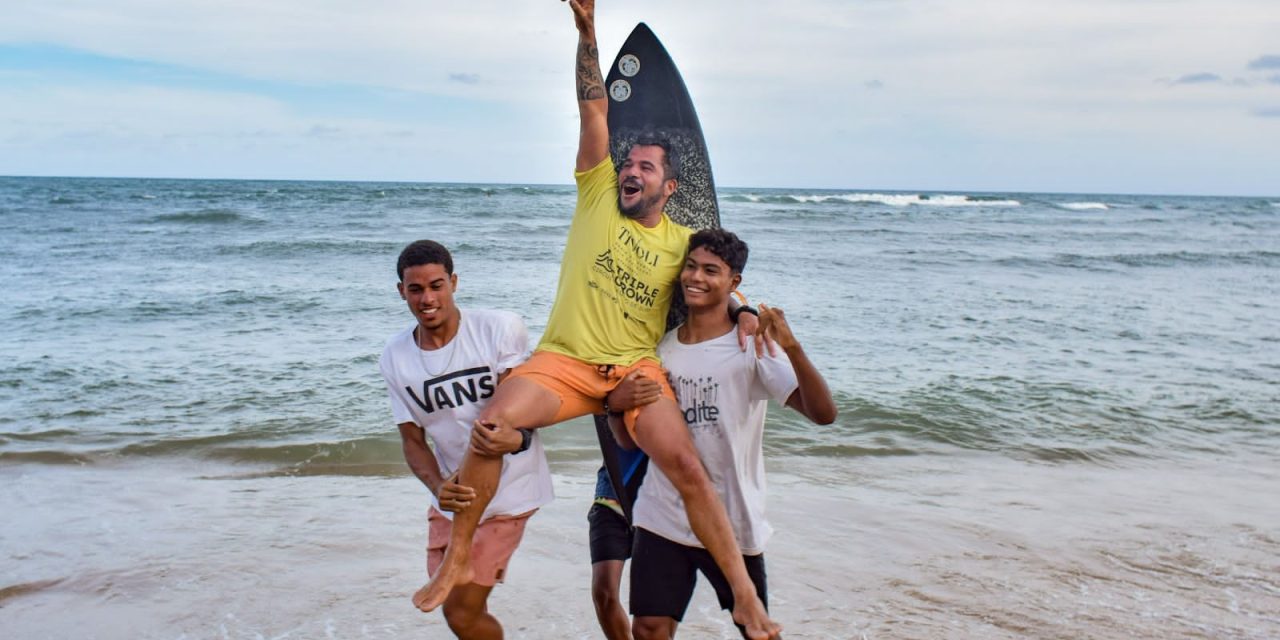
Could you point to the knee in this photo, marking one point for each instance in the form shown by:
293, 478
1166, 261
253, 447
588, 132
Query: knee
493, 413
604, 595
652, 628
685, 470
460, 619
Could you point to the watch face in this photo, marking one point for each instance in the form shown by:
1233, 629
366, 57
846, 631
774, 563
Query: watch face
629, 65
620, 90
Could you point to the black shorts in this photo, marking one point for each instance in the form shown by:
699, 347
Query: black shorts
610, 535
664, 573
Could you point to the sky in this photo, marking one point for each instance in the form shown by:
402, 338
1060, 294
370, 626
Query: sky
1079, 96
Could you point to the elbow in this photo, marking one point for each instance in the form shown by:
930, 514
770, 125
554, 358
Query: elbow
825, 415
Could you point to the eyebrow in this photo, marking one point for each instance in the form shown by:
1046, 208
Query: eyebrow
415, 284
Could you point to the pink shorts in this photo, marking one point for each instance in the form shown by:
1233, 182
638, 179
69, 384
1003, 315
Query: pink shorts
491, 548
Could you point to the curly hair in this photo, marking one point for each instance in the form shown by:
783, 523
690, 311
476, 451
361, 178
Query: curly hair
724, 245
422, 252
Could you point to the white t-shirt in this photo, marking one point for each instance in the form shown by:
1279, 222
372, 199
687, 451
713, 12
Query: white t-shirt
723, 392
444, 390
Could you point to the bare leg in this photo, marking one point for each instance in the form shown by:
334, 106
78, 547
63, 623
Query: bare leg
467, 612
654, 628
661, 432
480, 473
605, 577
520, 404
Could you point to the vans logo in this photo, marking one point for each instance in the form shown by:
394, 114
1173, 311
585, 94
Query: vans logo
453, 390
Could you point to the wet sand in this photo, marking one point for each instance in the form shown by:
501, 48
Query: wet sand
893, 547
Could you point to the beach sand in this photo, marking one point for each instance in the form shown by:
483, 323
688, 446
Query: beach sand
888, 547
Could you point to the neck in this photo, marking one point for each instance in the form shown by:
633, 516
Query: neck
706, 323
650, 220
431, 339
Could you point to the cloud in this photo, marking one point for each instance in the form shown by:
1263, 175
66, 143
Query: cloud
1041, 76
1274, 79
1199, 78
324, 131
1265, 62
1268, 112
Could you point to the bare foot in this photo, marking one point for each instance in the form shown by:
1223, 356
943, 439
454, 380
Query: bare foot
755, 619
437, 590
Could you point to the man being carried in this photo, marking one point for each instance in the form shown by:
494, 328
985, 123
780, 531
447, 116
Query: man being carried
616, 281
440, 373
723, 393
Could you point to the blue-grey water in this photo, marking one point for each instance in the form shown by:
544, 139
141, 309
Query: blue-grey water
1000, 340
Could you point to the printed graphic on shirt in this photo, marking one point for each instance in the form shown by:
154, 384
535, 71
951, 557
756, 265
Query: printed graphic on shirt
699, 401
454, 390
629, 265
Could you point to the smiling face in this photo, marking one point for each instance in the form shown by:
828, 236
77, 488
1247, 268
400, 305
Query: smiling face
428, 290
706, 280
643, 185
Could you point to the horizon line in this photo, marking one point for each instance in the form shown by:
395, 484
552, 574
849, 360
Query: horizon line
919, 191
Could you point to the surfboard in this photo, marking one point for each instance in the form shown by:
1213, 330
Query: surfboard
648, 98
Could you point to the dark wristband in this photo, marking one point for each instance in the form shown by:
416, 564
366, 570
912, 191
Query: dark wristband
740, 309
526, 439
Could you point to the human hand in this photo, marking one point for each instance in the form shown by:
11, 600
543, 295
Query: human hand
453, 496
773, 323
635, 390
749, 326
584, 15
493, 440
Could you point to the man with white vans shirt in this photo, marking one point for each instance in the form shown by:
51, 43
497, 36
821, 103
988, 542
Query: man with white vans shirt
440, 374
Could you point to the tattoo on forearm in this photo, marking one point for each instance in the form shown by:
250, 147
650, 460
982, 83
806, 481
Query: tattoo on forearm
590, 83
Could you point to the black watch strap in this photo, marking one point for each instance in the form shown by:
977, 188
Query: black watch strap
741, 309
526, 439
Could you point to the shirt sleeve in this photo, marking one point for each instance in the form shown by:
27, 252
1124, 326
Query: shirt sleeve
399, 410
775, 377
596, 184
513, 344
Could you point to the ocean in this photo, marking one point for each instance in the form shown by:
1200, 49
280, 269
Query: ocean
1058, 413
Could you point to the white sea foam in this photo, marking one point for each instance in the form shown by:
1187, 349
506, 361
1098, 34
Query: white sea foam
890, 199
1084, 206
907, 200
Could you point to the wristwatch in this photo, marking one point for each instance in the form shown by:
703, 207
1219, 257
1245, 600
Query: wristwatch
741, 309
526, 439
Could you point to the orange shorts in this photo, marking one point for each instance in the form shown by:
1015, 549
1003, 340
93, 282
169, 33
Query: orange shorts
582, 386
495, 541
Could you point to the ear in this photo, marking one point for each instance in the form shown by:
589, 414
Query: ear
453, 283
735, 281
669, 187
400, 288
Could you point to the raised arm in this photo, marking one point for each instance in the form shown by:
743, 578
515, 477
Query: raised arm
811, 397
593, 105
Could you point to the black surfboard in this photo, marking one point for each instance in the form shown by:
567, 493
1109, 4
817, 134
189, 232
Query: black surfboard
648, 98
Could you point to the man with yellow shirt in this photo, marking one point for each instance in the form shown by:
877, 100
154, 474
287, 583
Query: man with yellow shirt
617, 279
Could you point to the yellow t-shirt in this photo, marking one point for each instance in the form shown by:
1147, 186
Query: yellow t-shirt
616, 278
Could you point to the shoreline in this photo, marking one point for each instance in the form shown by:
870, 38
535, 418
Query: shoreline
907, 547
